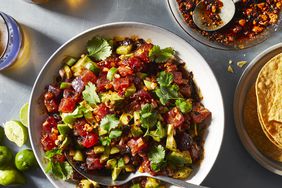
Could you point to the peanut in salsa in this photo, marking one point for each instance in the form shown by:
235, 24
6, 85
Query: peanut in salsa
251, 18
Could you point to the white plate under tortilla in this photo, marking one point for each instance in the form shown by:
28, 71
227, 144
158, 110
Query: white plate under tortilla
247, 79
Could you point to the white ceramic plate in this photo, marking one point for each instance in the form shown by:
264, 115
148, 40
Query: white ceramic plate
204, 77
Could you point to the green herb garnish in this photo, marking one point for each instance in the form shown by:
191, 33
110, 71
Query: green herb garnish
160, 55
99, 48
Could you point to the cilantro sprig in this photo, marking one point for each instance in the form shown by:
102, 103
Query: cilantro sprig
90, 95
148, 117
157, 157
160, 55
109, 124
59, 170
167, 90
99, 48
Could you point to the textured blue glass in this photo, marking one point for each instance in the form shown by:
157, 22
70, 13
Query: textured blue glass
14, 42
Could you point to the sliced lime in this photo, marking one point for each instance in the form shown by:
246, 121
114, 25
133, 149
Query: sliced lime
16, 132
24, 114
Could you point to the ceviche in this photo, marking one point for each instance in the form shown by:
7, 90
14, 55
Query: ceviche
124, 105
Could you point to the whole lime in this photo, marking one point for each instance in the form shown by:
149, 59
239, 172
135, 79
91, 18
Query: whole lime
6, 156
11, 176
25, 160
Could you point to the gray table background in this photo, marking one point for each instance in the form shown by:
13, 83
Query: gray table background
52, 24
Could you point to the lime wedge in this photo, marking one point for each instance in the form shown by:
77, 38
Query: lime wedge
16, 132
24, 114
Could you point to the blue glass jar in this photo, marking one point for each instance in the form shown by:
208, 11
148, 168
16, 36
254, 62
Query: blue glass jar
11, 39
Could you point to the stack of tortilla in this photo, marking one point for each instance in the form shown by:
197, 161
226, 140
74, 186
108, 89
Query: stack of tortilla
263, 109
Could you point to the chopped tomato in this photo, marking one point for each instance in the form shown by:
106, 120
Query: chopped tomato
103, 83
48, 124
101, 111
177, 77
135, 64
51, 105
93, 163
143, 52
175, 117
125, 70
120, 84
48, 141
89, 140
136, 146
59, 158
67, 105
88, 76
78, 128
200, 113
108, 63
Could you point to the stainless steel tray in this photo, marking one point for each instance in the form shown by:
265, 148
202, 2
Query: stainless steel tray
247, 79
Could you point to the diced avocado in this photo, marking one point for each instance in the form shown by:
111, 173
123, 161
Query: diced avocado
110, 97
141, 75
65, 143
137, 185
152, 183
70, 61
130, 90
105, 155
85, 183
63, 129
111, 73
102, 131
120, 163
123, 50
114, 150
150, 85
136, 131
99, 149
78, 156
65, 85
67, 71
82, 64
170, 141
136, 116
179, 159
112, 163
116, 171
129, 168
93, 67
125, 118
182, 173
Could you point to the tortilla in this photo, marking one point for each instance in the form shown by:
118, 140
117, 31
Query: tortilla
254, 129
269, 99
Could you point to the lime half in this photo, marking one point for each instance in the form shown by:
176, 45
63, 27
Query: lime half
16, 132
24, 114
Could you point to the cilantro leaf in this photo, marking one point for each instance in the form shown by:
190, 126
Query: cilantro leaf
115, 134
160, 55
90, 95
184, 105
159, 133
148, 116
99, 48
167, 92
157, 157
109, 122
59, 170
105, 141
165, 78
51, 153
